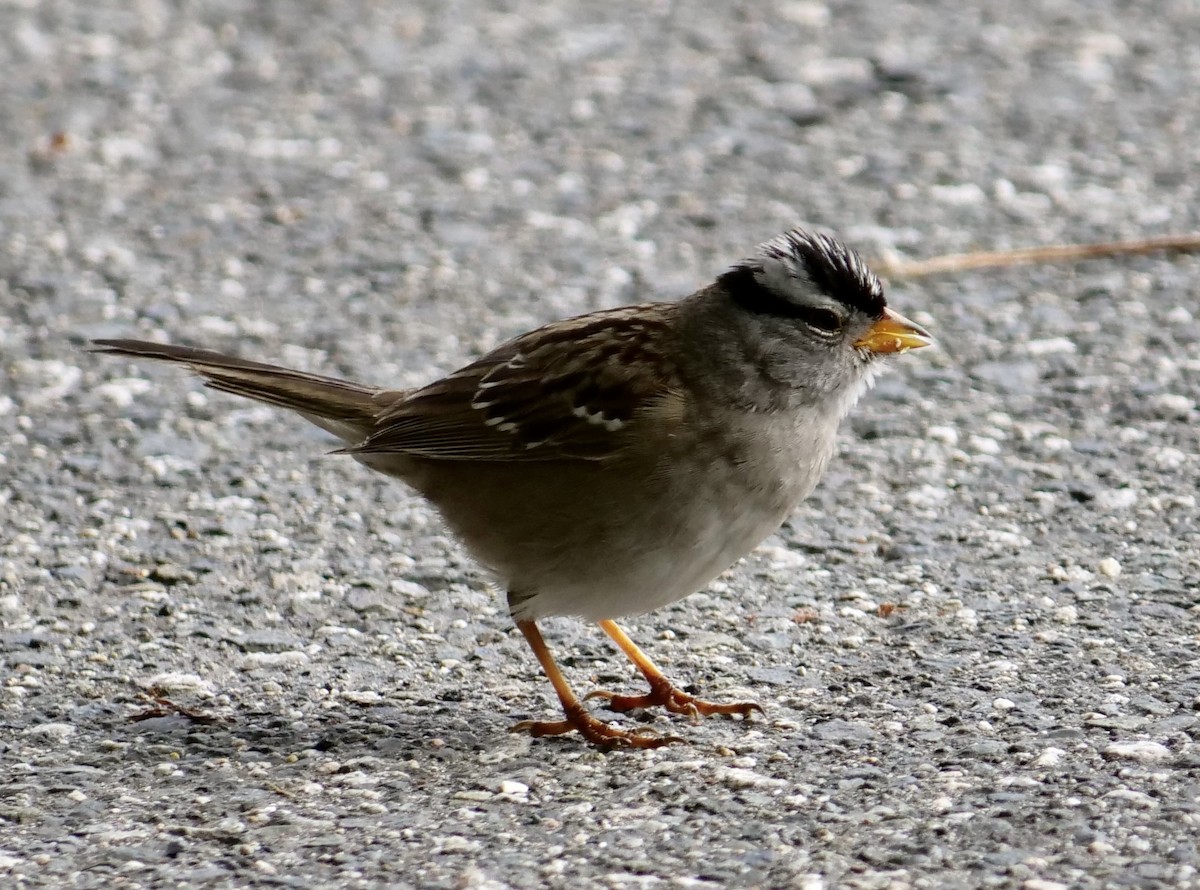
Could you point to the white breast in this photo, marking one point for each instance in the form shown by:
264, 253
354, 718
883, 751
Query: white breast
707, 520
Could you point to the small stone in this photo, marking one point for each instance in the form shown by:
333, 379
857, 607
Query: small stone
947, 435
984, 445
257, 660
124, 392
362, 599
1066, 615
966, 194
1043, 884
1172, 405
782, 557
805, 12
1167, 458
1050, 757
1109, 567
1112, 499
174, 682
796, 102
837, 72
1134, 798
1141, 752
1050, 346
408, 589
457, 844
60, 731
1003, 704
474, 794
267, 641
927, 496
735, 777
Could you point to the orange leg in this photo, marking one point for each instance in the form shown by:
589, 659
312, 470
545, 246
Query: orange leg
662, 691
577, 717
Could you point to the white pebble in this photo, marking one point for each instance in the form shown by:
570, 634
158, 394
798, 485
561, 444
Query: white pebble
745, 778
1142, 752
1066, 615
257, 660
476, 795
805, 12
457, 844
1173, 404
1007, 540
1050, 757
58, 731
1043, 884
1167, 458
984, 444
1050, 346
122, 393
782, 557
180, 682
966, 194
1111, 499
1135, 798
927, 496
1109, 567
362, 696
1003, 704
53, 380
837, 71
947, 435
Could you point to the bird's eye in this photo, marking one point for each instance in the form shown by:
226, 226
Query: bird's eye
824, 320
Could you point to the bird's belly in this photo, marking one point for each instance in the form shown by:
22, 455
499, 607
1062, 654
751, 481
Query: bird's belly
631, 538
658, 576
694, 535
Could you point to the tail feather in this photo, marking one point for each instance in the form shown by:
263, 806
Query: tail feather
343, 407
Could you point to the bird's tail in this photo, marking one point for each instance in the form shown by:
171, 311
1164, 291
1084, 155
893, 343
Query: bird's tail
344, 408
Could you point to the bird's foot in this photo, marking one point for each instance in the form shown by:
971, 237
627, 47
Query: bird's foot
663, 694
596, 731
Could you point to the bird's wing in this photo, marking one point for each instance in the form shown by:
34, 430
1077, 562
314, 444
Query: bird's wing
574, 389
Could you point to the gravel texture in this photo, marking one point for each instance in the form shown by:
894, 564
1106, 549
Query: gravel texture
976, 644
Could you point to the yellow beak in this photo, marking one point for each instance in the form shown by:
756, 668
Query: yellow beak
894, 333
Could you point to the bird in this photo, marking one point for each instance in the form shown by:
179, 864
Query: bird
609, 464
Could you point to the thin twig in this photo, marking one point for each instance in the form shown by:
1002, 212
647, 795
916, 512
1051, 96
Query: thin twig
1057, 253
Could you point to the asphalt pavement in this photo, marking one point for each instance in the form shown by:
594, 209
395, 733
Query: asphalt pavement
977, 644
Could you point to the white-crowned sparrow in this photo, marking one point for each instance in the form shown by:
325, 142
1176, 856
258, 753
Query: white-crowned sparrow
609, 464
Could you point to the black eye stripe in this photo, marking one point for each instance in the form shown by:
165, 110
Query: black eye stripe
752, 296
822, 319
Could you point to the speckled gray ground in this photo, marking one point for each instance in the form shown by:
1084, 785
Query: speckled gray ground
383, 190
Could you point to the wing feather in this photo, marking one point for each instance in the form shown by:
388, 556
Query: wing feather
574, 389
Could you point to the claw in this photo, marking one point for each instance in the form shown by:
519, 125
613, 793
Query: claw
600, 693
599, 733
663, 694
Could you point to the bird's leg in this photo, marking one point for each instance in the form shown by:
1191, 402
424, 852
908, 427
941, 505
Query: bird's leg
662, 691
578, 719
